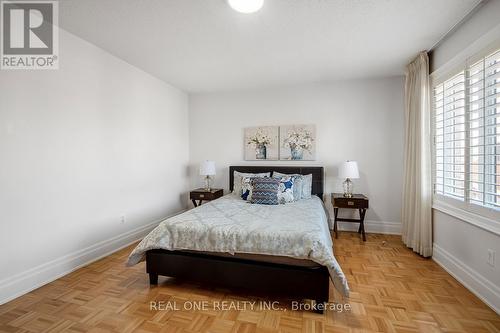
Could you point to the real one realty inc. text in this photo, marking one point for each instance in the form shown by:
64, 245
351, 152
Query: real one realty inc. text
204, 305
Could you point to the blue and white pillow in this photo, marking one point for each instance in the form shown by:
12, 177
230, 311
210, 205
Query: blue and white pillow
302, 186
238, 177
285, 192
246, 188
265, 191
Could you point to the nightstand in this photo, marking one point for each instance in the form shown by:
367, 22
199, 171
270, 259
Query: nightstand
357, 201
201, 194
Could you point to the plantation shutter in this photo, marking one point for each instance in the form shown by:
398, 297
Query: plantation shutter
450, 137
484, 123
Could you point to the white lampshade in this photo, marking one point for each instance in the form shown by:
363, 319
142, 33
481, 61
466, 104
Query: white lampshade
246, 6
349, 169
207, 168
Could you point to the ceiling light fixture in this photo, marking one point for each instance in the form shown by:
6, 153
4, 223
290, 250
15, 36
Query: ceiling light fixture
246, 6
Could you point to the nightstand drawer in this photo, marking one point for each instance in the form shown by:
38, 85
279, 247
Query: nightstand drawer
354, 202
205, 195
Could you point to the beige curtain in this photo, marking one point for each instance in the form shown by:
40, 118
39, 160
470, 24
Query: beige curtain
417, 185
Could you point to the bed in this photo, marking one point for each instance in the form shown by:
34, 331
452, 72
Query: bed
285, 249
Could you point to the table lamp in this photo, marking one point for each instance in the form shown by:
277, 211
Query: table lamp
207, 169
348, 170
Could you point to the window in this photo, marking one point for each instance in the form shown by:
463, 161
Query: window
450, 137
467, 134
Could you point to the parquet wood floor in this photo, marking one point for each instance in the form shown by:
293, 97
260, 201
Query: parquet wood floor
393, 290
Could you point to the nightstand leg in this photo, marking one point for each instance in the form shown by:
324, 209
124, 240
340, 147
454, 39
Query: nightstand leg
335, 231
194, 202
362, 213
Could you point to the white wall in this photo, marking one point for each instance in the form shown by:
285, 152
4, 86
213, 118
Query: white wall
478, 25
359, 120
450, 230
461, 247
80, 147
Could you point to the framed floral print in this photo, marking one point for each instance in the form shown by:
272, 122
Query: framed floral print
261, 143
297, 142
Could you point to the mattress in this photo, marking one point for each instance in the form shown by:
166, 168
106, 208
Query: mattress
229, 226
282, 260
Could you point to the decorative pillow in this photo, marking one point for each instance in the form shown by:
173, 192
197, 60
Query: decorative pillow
285, 192
246, 188
265, 191
237, 182
302, 185
297, 184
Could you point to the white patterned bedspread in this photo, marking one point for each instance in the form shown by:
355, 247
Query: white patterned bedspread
229, 224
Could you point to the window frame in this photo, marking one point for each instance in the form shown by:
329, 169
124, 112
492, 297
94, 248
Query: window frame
484, 217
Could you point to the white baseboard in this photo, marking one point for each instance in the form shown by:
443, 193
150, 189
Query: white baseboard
472, 280
24, 282
377, 227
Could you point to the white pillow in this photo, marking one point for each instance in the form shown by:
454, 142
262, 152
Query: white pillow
238, 176
307, 183
302, 185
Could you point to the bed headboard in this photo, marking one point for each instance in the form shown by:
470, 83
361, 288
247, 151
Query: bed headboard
317, 174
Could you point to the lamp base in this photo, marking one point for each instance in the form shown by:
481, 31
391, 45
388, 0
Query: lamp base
207, 183
347, 184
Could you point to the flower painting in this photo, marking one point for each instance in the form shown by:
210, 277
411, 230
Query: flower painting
261, 143
298, 142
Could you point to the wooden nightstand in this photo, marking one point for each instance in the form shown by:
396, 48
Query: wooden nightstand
201, 194
358, 201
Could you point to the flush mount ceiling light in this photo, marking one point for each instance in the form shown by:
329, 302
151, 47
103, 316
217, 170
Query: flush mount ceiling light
246, 6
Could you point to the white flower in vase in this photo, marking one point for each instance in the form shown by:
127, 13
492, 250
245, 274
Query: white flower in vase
260, 140
298, 140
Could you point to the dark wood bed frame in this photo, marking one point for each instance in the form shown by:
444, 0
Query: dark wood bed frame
295, 282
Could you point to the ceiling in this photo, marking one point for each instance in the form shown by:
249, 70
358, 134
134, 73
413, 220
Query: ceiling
204, 46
